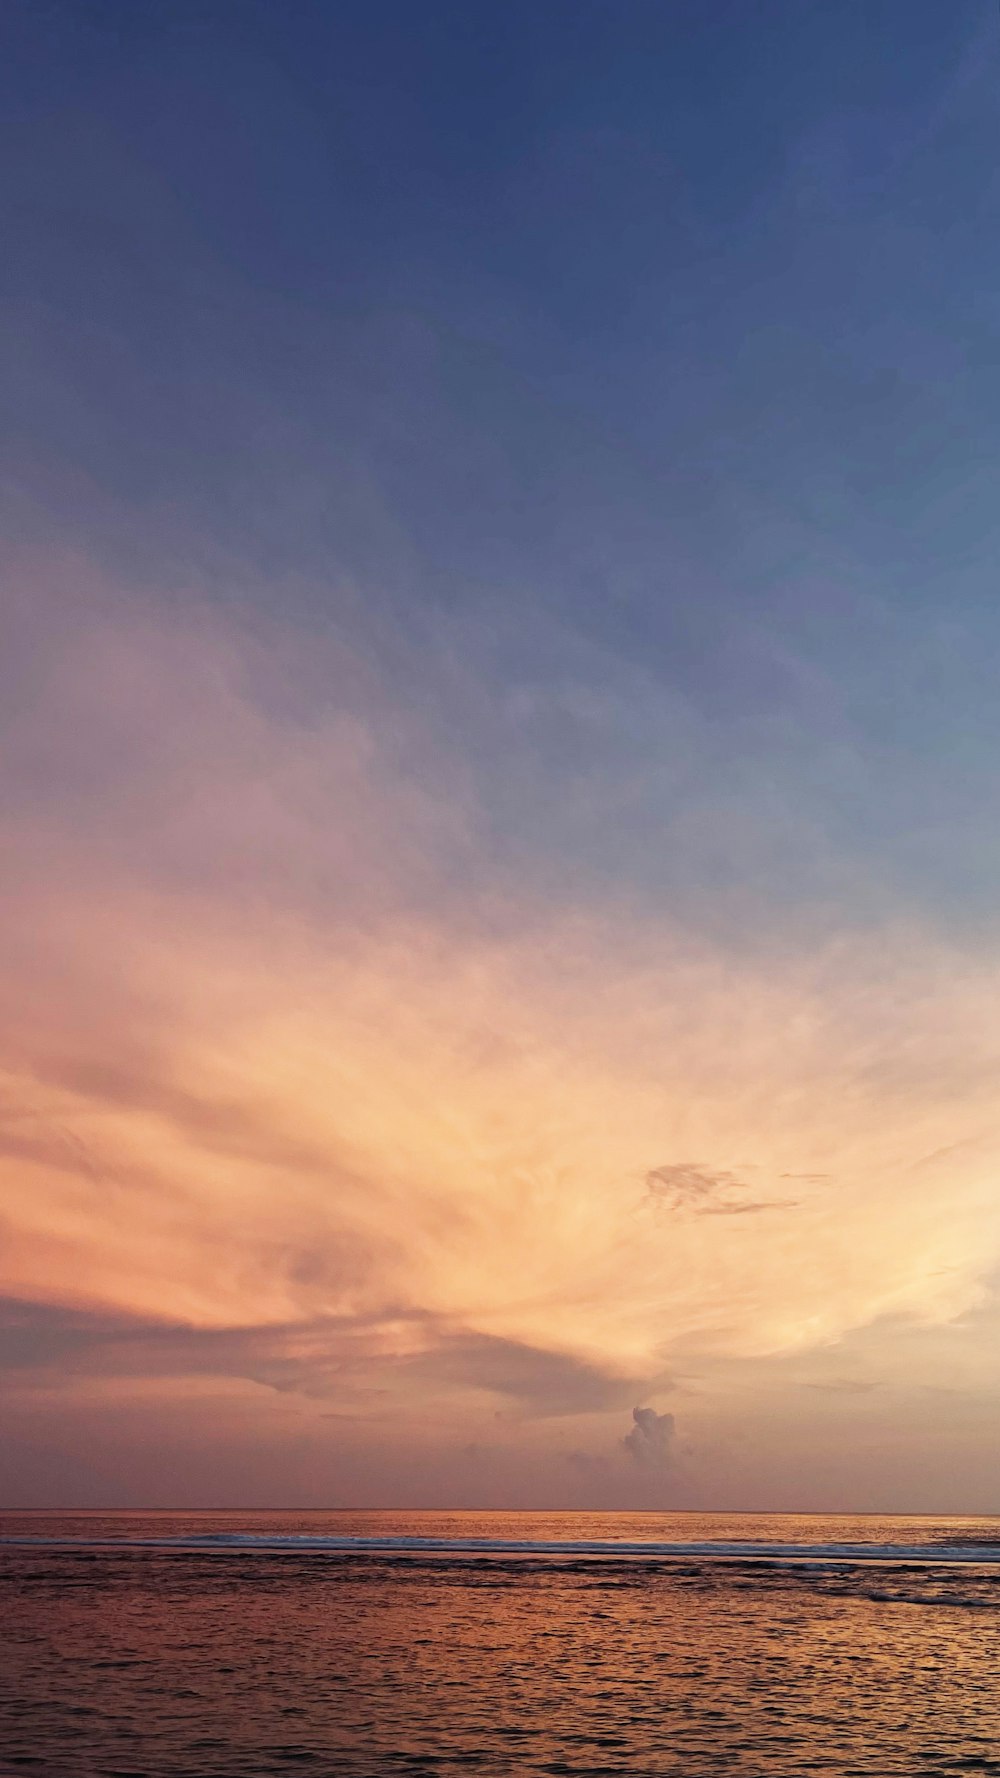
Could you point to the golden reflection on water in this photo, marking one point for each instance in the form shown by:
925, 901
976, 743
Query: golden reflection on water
197, 1664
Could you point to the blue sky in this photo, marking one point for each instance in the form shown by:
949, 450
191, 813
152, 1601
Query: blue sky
670, 326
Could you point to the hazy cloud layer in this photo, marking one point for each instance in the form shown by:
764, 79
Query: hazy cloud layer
303, 1088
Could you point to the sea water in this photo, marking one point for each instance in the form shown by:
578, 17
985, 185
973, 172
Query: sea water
355, 1645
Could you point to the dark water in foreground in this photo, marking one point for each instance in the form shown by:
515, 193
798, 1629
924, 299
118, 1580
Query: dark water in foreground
221, 1646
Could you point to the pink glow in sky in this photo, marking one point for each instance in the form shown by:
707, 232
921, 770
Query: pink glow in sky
339, 1158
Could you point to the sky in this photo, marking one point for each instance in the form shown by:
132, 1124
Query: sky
500, 754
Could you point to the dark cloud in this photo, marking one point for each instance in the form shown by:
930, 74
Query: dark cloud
706, 1191
341, 1359
541, 1382
651, 1440
330, 1355
36, 1335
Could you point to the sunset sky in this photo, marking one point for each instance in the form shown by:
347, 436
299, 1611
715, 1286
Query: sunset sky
500, 753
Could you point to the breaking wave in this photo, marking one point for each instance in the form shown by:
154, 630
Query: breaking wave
608, 1549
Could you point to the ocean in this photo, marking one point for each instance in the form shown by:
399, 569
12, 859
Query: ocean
362, 1644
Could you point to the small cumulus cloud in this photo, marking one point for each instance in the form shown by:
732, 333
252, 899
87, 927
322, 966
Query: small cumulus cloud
651, 1440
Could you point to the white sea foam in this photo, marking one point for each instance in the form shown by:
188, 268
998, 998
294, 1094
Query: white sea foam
844, 1554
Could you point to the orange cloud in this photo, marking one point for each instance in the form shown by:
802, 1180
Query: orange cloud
299, 1085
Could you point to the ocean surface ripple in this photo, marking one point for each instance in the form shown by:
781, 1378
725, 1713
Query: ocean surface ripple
356, 1645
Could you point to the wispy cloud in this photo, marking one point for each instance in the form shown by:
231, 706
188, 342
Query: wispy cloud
302, 1085
684, 1186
